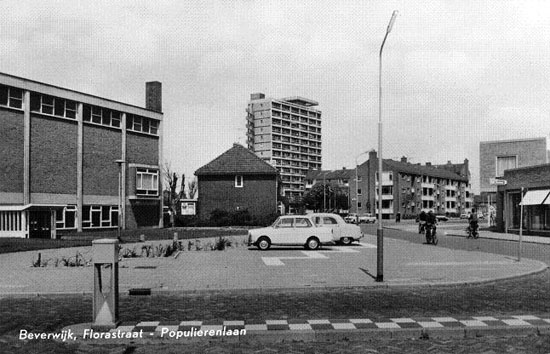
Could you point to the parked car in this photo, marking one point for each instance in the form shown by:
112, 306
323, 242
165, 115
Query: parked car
291, 230
441, 218
363, 218
351, 218
367, 218
464, 215
342, 232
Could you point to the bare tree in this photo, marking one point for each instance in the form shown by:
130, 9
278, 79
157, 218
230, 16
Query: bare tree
192, 188
171, 198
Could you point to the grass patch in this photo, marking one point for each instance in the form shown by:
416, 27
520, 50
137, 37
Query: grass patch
8, 245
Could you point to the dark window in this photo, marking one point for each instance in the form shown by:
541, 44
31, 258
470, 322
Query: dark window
70, 218
96, 115
87, 114
35, 102
3, 95
105, 212
70, 109
106, 119
16, 97
59, 107
47, 104
115, 119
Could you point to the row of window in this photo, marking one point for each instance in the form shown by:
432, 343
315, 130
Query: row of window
93, 216
60, 107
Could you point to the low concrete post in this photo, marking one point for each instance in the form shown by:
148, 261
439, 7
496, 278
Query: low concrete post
105, 300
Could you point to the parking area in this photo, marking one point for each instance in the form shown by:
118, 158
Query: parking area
405, 263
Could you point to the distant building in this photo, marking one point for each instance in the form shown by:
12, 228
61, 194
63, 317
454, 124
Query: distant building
287, 133
340, 178
408, 188
535, 181
61, 155
237, 180
497, 156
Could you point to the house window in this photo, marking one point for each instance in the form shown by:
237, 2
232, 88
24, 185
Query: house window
359, 191
147, 182
505, 163
239, 181
99, 216
11, 97
66, 219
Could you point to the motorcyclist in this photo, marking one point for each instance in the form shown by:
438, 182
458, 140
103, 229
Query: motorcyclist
421, 221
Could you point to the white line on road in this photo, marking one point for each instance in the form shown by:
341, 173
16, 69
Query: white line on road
277, 261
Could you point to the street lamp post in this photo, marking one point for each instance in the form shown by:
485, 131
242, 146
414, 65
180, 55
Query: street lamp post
380, 231
120, 164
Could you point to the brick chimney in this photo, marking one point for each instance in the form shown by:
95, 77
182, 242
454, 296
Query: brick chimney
404, 159
153, 96
257, 96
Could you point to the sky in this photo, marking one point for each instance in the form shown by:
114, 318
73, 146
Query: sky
454, 72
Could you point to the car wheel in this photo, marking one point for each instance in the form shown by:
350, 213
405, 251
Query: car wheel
263, 243
312, 243
346, 241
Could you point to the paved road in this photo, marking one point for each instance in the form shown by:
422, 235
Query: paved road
456, 239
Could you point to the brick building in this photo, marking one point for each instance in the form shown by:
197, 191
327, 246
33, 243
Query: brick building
62, 152
535, 181
410, 188
237, 180
497, 156
338, 178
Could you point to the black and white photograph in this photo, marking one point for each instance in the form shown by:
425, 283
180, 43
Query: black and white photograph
261, 177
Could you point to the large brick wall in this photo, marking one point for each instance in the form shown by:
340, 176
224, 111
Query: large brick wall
528, 152
258, 194
101, 148
11, 147
53, 155
142, 149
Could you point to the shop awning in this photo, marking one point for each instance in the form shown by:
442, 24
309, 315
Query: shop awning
536, 197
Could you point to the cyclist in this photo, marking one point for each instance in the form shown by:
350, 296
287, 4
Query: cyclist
421, 221
431, 221
473, 220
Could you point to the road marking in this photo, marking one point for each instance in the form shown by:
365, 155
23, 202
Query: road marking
277, 261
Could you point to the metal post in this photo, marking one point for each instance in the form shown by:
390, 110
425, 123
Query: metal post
120, 164
520, 226
380, 231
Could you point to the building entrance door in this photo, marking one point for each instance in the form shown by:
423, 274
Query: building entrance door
40, 224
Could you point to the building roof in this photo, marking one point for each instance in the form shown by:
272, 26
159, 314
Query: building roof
330, 174
301, 101
237, 160
439, 171
511, 141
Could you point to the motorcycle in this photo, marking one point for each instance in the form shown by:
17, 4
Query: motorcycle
431, 234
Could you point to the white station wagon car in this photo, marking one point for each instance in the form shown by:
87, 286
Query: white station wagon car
342, 232
291, 230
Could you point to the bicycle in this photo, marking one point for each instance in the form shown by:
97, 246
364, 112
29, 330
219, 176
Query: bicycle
431, 234
472, 233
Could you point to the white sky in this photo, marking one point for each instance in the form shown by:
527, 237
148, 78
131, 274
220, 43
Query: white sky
455, 72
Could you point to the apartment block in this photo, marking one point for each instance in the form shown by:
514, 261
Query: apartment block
71, 161
409, 188
286, 133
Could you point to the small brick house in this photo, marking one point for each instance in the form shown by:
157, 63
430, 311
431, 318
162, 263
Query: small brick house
535, 181
237, 180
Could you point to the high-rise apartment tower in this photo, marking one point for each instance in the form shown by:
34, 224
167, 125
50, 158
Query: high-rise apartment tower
287, 133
